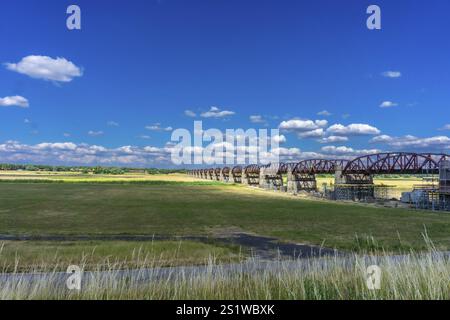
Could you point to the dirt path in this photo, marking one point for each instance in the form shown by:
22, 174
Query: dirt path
259, 246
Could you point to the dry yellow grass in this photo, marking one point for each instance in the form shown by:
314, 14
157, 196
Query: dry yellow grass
397, 185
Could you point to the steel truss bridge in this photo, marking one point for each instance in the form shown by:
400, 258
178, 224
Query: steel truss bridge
381, 163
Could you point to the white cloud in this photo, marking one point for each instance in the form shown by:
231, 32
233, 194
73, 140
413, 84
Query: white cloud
321, 123
388, 104
190, 113
144, 136
95, 133
215, 112
347, 151
352, 129
14, 101
257, 119
324, 113
381, 139
333, 139
280, 139
337, 150
69, 153
409, 142
392, 74
47, 68
446, 127
157, 127
298, 125
112, 124
317, 133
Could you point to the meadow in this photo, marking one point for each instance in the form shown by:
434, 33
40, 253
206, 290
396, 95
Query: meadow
178, 205
172, 209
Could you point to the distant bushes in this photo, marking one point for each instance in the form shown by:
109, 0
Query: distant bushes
86, 170
105, 181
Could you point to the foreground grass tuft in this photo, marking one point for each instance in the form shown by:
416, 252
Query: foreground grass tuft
424, 276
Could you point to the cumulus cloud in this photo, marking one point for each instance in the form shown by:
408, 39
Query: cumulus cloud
409, 142
47, 68
112, 124
95, 133
392, 74
317, 133
333, 139
297, 125
388, 104
215, 112
190, 113
280, 139
157, 127
381, 139
14, 101
347, 151
353, 129
257, 119
69, 153
324, 113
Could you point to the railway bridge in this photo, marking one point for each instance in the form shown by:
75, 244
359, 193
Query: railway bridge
350, 174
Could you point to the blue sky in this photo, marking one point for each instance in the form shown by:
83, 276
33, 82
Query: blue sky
128, 77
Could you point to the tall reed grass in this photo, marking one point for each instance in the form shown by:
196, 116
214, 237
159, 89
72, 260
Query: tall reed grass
410, 276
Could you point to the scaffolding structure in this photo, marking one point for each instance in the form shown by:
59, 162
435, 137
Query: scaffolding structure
434, 196
358, 192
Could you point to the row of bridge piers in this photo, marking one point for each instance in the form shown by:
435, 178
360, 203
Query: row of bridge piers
279, 176
353, 179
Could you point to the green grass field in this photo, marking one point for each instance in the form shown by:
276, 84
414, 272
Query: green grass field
16, 256
190, 209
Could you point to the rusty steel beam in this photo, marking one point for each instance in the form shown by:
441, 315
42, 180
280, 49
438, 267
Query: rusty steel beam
380, 163
396, 163
318, 166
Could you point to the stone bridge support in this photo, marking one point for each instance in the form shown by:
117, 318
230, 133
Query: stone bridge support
355, 187
301, 182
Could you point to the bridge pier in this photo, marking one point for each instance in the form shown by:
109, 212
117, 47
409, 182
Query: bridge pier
355, 186
244, 179
225, 174
250, 179
301, 182
235, 178
272, 182
217, 174
263, 182
236, 175
250, 175
271, 176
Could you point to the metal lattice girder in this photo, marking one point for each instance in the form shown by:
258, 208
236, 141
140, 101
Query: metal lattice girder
380, 163
275, 169
395, 163
319, 166
252, 169
237, 171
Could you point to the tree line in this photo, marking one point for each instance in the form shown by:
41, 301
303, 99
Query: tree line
86, 169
